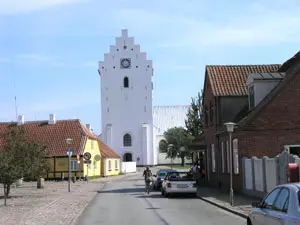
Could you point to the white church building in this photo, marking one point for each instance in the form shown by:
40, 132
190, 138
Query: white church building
126, 104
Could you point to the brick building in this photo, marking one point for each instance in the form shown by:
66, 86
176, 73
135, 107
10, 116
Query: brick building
267, 118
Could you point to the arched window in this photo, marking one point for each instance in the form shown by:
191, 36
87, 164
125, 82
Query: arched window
126, 82
127, 140
127, 157
162, 146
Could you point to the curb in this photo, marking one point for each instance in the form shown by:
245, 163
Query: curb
225, 208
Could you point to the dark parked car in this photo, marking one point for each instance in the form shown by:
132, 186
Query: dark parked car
160, 176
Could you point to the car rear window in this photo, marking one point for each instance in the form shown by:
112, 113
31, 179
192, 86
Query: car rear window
162, 174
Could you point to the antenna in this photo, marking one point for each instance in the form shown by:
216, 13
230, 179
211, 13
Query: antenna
16, 107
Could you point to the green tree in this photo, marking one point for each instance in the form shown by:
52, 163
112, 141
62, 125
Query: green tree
20, 158
194, 122
175, 139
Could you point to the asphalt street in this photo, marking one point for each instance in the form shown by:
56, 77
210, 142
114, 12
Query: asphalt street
124, 202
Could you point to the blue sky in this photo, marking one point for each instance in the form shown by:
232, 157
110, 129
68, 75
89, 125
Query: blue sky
51, 47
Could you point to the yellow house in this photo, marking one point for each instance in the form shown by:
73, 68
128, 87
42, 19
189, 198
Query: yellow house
53, 133
111, 163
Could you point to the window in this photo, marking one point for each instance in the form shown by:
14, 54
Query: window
228, 157
95, 164
236, 168
223, 157
116, 164
251, 97
109, 165
270, 199
127, 140
92, 144
211, 116
73, 165
213, 159
206, 115
281, 203
126, 82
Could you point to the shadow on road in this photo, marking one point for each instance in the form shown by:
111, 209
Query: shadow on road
124, 190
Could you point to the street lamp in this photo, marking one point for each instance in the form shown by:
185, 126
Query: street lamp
230, 128
170, 148
69, 152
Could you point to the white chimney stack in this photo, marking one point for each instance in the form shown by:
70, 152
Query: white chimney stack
88, 126
21, 120
52, 119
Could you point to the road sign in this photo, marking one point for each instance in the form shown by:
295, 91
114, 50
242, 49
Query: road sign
87, 162
87, 156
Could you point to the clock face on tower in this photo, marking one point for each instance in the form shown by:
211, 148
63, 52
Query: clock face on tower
125, 63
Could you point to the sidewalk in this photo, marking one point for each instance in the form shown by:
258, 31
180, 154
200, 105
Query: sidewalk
51, 205
242, 203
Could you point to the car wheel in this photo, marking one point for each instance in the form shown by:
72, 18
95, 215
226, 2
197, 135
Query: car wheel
249, 221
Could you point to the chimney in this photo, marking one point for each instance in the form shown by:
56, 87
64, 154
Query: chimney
52, 119
21, 120
89, 127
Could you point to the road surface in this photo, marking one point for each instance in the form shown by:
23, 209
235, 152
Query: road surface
125, 203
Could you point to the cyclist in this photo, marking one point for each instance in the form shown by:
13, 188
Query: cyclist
147, 174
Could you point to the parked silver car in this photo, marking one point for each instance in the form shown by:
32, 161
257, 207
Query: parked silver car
280, 207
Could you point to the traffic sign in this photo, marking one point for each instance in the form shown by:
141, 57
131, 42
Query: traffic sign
87, 156
87, 162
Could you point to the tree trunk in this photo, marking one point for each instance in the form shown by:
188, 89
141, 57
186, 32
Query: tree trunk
5, 196
7, 190
182, 160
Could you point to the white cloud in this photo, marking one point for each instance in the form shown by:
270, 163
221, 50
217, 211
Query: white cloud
19, 6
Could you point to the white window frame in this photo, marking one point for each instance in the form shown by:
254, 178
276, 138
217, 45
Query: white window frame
228, 157
116, 164
235, 151
109, 165
73, 165
223, 158
213, 158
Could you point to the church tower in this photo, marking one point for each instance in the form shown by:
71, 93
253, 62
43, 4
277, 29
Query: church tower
126, 101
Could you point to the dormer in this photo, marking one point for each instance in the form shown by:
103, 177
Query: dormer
259, 85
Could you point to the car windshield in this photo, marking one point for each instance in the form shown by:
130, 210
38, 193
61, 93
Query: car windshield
163, 174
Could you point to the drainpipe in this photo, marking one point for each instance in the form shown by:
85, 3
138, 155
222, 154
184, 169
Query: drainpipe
217, 122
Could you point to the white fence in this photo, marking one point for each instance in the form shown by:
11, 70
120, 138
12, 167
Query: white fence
263, 174
128, 167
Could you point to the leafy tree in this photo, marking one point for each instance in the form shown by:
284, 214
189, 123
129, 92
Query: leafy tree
175, 138
20, 158
194, 122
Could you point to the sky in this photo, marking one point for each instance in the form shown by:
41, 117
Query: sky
49, 50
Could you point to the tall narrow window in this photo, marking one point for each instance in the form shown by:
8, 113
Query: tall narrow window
251, 97
109, 165
126, 82
213, 158
223, 158
235, 151
227, 153
127, 140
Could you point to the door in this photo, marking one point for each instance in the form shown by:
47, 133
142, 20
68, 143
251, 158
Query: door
277, 214
259, 214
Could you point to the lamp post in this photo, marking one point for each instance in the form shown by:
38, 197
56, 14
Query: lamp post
230, 128
170, 148
69, 152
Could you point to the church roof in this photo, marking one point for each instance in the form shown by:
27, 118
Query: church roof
165, 117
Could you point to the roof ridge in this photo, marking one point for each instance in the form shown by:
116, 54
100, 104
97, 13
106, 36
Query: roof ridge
241, 65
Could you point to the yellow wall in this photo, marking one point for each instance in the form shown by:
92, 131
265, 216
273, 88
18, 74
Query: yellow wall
94, 168
113, 170
61, 163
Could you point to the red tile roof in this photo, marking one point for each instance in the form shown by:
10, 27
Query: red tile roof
54, 135
106, 151
231, 80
